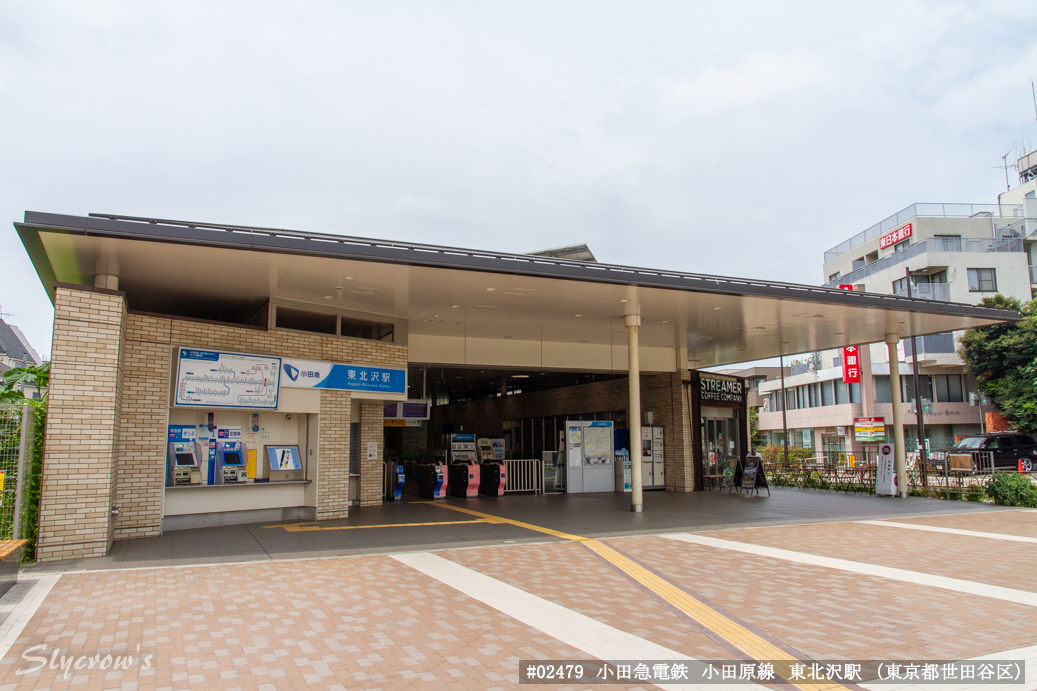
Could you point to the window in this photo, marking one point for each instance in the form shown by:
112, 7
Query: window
301, 320
883, 394
900, 286
376, 331
1024, 440
947, 243
815, 395
982, 281
835, 277
901, 246
840, 393
828, 393
948, 388
855, 393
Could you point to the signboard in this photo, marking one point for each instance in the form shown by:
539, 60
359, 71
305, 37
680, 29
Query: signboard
869, 429
845, 286
716, 390
182, 433
313, 374
213, 379
283, 458
399, 422
407, 410
894, 236
885, 474
752, 465
851, 365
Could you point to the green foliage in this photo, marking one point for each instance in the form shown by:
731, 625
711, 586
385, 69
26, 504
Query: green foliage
775, 453
1010, 489
756, 437
33, 375
1003, 358
39, 377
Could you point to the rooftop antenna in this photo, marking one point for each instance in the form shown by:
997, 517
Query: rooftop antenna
4, 315
1006, 165
1033, 92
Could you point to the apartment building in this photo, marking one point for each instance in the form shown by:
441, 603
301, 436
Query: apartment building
944, 252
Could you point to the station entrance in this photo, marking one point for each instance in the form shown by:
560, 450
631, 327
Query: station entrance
555, 432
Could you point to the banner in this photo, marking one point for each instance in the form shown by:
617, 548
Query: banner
313, 374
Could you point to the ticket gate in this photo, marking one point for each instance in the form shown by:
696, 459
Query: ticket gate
182, 464
394, 479
432, 480
493, 479
464, 479
230, 463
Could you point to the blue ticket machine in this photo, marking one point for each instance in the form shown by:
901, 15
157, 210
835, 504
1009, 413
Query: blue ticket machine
182, 466
230, 463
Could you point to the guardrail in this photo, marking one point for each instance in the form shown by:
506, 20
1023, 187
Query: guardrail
524, 475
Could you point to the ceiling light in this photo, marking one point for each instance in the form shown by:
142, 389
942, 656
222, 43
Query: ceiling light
490, 290
520, 376
327, 297
716, 308
426, 320
348, 278
666, 321
435, 316
538, 328
624, 300
455, 306
577, 315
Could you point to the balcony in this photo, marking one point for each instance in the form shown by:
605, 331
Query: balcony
933, 344
930, 245
1033, 275
930, 291
925, 210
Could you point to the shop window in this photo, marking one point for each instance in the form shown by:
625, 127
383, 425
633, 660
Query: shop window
982, 281
375, 331
301, 320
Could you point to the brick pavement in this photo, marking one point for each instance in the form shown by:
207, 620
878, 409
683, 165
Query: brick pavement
1010, 565
1019, 522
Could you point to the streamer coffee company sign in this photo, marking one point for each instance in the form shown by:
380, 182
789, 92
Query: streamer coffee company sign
715, 390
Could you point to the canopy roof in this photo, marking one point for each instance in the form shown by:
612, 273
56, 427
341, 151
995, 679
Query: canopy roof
463, 306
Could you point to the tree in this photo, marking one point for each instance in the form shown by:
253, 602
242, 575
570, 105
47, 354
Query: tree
1003, 358
33, 375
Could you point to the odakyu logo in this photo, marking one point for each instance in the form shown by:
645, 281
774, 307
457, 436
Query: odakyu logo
292, 372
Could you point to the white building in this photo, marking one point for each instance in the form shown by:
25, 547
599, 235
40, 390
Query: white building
949, 252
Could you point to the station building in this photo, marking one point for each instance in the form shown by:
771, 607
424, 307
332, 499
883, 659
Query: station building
286, 361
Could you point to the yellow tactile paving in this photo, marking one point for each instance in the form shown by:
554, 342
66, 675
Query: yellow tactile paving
732, 632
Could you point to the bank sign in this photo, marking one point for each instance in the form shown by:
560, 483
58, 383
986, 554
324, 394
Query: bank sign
312, 374
720, 390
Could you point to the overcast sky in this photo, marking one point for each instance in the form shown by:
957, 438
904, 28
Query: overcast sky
740, 138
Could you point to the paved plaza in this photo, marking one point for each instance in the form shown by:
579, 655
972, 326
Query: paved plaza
801, 575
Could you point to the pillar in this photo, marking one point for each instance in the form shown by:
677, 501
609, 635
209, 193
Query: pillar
898, 420
633, 322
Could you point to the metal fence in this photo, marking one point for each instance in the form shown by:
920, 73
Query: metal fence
17, 424
524, 475
963, 480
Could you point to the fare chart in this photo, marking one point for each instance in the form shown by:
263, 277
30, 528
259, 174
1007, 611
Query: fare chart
213, 379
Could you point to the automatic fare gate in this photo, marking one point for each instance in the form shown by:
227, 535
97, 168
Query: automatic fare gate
590, 456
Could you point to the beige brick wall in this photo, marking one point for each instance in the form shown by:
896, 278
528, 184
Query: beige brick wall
371, 470
109, 402
333, 468
82, 425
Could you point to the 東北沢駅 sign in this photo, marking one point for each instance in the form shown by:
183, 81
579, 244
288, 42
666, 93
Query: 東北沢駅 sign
312, 374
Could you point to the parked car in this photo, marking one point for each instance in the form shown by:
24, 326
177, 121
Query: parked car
1009, 450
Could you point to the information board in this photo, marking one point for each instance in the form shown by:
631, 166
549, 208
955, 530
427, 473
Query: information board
597, 444
213, 379
869, 429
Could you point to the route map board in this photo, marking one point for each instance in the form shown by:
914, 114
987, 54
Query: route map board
597, 445
211, 379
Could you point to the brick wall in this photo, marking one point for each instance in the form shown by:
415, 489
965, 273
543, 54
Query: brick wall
371, 470
109, 400
82, 425
333, 468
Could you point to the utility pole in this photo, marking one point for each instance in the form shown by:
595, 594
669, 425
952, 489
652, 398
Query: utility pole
919, 414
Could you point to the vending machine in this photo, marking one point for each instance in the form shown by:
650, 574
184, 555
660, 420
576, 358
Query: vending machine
653, 464
182, 467
590, 456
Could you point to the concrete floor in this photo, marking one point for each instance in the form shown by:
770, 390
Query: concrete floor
591, 515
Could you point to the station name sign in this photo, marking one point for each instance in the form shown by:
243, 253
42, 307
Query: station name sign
718, 390
313, 374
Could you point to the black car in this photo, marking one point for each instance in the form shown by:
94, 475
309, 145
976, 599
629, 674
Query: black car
1009, 449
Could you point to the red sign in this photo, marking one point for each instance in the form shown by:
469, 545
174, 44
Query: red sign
845, 286
851, 365
895, 236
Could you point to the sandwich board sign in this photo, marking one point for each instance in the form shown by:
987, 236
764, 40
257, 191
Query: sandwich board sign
885, 473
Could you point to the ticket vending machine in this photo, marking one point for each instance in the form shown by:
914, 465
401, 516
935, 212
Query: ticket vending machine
590, 456
182, 467
653, 465
230, 463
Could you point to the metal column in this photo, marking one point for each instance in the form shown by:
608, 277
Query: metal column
633, 321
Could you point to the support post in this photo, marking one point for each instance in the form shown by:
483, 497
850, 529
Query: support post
784, 404
898, 420
923, 460
23, 454
633, 321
